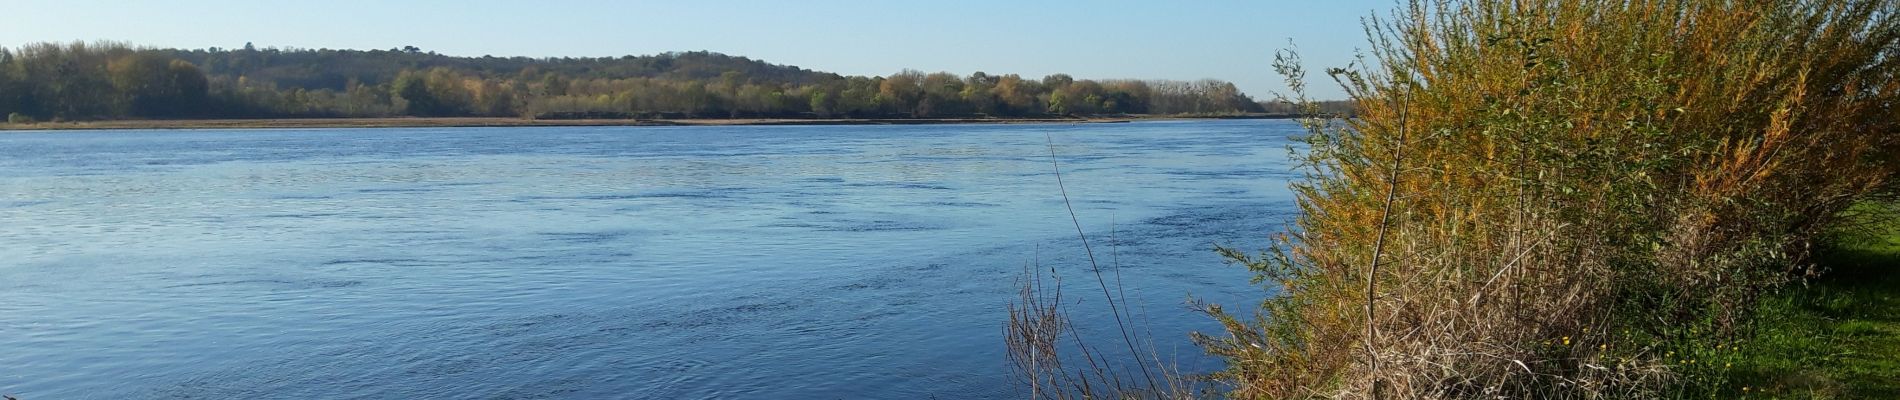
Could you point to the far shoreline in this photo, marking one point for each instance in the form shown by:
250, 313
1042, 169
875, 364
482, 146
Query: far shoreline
486, 122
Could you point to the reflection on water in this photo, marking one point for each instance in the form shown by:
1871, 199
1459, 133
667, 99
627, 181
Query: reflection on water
748, 262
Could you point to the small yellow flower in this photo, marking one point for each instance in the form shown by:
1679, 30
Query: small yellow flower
1728, 365
1744, 388
1566, 340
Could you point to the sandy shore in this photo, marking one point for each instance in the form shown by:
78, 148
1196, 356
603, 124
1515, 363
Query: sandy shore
498, 122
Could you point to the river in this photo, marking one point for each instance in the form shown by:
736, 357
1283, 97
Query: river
604, 262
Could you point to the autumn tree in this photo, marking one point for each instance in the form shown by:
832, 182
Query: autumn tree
156, 86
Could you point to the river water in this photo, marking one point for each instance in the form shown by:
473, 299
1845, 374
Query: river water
603, 262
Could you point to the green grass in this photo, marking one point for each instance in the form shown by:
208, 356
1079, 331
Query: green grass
1837, 336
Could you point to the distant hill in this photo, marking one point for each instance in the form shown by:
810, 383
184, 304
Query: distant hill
335, 69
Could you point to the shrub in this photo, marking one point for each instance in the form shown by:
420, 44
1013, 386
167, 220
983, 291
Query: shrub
1564, 198
18, 118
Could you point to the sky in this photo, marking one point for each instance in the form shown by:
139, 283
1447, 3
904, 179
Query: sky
1231, 40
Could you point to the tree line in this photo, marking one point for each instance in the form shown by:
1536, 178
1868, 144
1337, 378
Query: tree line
110, 80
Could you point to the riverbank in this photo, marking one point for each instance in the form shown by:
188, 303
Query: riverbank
459, 122
1838, 336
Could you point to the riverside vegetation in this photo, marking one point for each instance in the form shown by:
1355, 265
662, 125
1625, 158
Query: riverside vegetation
1569, 199
111, 81
1836, 336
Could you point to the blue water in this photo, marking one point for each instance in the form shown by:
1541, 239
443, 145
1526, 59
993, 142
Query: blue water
618, 262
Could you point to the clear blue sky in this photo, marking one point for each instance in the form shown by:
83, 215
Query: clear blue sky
1159, 39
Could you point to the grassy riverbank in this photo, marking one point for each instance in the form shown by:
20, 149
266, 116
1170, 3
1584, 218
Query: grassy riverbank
1838, 336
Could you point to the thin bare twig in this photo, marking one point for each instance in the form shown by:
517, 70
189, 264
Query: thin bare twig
1378, 249
1096, 267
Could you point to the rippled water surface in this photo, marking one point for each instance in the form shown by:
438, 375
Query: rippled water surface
692, 262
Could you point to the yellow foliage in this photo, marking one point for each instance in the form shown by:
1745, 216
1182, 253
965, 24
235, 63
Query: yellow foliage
1520, 170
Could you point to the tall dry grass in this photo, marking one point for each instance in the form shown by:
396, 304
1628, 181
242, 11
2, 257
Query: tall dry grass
1564, 198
